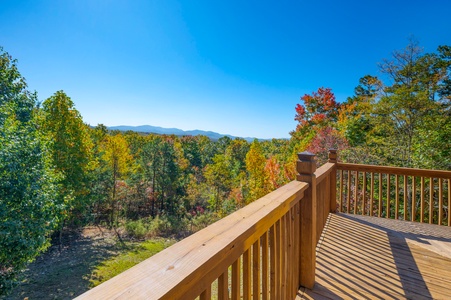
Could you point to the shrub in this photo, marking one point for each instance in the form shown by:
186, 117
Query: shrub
137, 229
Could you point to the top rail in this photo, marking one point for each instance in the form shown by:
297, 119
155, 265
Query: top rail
395, 170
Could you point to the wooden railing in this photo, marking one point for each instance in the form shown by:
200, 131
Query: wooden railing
265, 250
399, 193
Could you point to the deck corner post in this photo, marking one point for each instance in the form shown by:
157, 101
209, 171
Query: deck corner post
333, 158
306, 167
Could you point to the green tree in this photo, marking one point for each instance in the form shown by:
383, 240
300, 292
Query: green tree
161, 173
28, 207
71, 149
219, 178
355, 115
416, 98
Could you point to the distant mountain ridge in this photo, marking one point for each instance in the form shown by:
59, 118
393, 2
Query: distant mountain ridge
175, 131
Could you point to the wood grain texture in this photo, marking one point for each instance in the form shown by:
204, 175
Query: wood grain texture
390, 260
223, 286
236, 279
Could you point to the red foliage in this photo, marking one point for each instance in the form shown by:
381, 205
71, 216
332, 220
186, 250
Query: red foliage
319, 118
272, 169
320, 108
327, 138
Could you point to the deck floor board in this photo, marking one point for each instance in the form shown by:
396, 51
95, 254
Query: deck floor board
361, 257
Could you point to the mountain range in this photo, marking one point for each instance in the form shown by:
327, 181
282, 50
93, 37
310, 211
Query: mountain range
175, 131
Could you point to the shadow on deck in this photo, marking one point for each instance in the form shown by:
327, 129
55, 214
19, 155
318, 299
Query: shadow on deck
361, 257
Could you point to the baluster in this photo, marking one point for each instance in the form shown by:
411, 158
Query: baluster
388, 216
247, 274
379, 213
282, 259
297, 247
272, 248
294, 285
422, 201
397, 198
348, 203
356, 188
431, 200
265, 273
414, 196
440, 201
341, 191
364, 194
278, 260
256, 269
206, 295
223, 286
405, 198
236, 280
372, 194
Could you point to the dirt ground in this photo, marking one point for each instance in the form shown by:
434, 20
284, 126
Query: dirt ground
65, 274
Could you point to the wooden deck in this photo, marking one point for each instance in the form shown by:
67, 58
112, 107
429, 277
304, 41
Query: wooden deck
360, 257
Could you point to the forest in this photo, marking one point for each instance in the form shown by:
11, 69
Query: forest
57, 172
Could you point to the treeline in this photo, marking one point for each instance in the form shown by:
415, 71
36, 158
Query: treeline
402, 118
57, 172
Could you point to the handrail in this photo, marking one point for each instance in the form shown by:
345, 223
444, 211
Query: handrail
322, 172
265, 250
188, 268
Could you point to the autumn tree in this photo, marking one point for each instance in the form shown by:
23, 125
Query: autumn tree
326, 139
272, 170
70, 146
255, 166
117, 161
319, 109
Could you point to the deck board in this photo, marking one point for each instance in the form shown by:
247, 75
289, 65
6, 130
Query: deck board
360, 257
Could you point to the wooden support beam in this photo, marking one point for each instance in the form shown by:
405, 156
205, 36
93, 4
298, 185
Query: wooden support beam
306, 167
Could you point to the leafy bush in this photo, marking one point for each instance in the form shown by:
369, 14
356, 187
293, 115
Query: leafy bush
167, 225
159, 226
137, 229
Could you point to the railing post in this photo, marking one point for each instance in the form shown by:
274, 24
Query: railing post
306, 167
333, 180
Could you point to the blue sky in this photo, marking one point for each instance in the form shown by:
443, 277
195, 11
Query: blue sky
234, 67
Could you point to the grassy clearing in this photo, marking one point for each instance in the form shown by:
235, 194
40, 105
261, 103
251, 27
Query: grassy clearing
118, 264
88, 258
